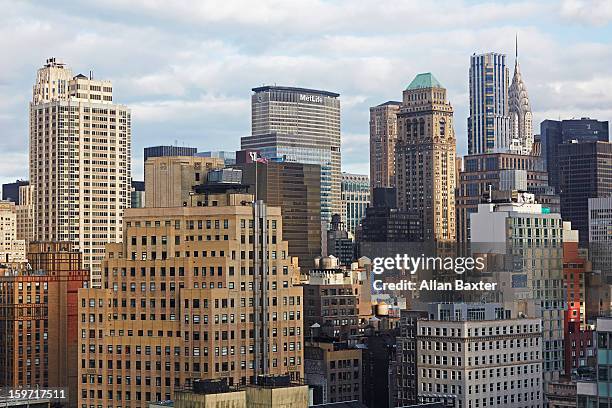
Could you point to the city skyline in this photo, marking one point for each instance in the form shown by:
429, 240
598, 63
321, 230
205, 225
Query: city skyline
197, 92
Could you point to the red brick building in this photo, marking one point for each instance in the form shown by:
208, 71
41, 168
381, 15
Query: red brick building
38, 319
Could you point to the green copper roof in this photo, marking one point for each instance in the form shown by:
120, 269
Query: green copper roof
425, 80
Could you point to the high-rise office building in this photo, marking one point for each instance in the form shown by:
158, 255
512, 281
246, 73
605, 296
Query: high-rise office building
355, 199
489, 123
300, 125
12, 250
585, 171
137, 196
163, 151
461, 357
38, 324
493, 172
170, 180
425, 157
383, 135
184, 297
10, 191
556, 132
519, 109
296, 189
600, 236
528, 241
80, 161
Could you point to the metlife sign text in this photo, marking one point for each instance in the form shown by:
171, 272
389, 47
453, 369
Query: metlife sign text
311, 98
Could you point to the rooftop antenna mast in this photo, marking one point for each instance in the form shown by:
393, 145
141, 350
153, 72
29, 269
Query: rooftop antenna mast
516, 46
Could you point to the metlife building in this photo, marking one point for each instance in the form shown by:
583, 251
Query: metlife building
300, 125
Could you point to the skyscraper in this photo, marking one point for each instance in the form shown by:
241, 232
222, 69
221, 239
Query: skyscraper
355, 199
383, 135
80, 161
296, 189
489, 123
585, 171
425, 157
600, 235
300, 125
10, 191
521, 123
484, 172
556, 132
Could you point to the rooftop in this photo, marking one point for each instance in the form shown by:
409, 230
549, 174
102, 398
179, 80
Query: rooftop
293, 89
424, 81
396, 103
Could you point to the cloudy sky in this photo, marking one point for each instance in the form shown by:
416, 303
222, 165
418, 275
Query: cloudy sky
186, 68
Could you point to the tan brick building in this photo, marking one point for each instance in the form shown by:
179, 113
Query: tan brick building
177, 304
170, 179
383, 136
425, 157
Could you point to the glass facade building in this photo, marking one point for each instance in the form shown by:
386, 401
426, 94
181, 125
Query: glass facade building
300, 125
355, 199
489, 122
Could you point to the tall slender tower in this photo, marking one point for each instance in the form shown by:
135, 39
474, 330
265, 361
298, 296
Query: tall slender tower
489, 123
383, 135
425, 157
80, 162
521, 126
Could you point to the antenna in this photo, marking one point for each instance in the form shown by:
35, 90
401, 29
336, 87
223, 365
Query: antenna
516, 46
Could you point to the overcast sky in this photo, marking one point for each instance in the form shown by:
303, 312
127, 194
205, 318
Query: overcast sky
186, 68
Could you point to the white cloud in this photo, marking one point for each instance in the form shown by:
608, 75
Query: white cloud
186, 70
587, 12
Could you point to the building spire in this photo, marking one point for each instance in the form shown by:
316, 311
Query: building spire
516, 47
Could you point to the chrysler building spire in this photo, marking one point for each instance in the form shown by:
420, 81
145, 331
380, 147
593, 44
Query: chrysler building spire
521, 127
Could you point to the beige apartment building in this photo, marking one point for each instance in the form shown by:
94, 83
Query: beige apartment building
425, 157
383, 136
12, 250
180, 302
169, 180
80, 161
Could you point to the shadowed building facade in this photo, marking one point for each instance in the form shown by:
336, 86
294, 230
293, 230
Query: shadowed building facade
296, 189
383, 135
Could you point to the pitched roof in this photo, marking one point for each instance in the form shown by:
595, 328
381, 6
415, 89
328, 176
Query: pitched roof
424, 80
